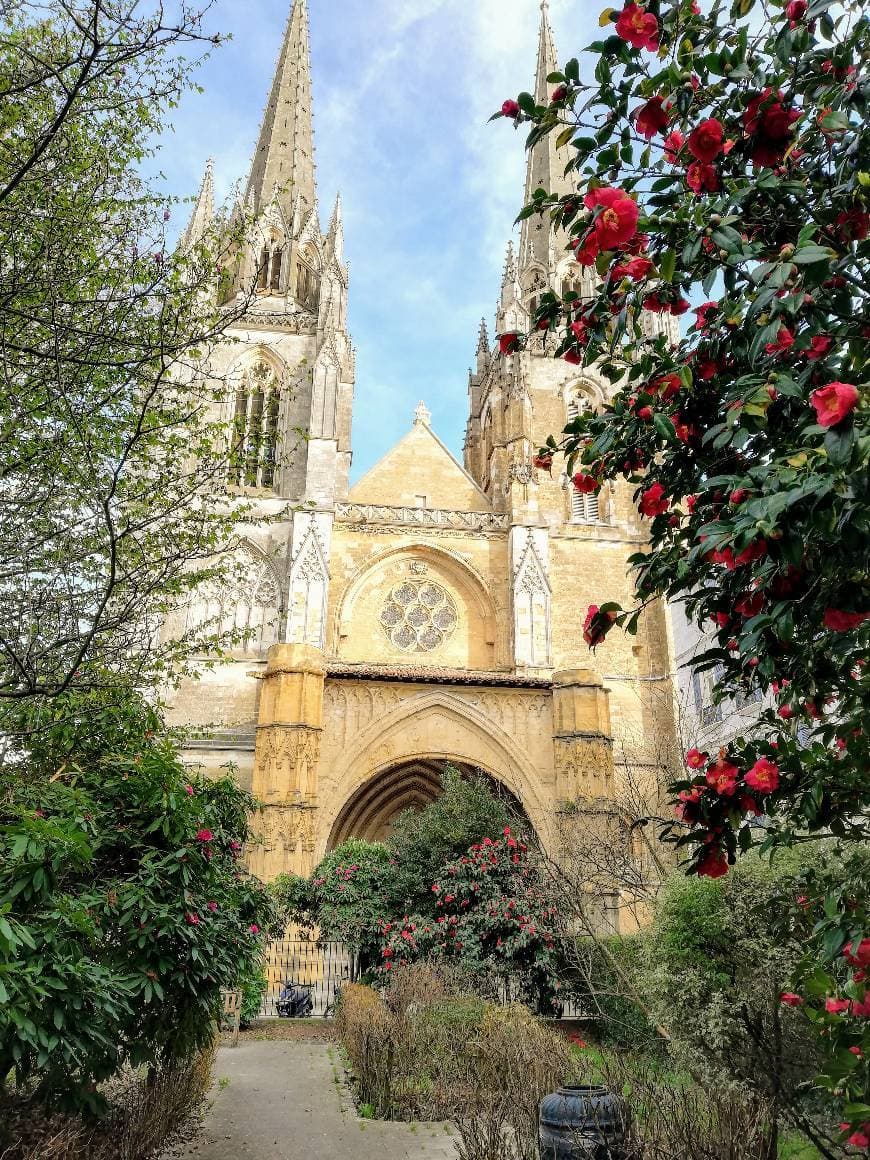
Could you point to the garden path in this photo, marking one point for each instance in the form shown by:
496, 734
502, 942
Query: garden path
287, 1100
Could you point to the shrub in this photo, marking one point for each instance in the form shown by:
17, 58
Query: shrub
124, 908
615, 1017
366, 1029
252, 983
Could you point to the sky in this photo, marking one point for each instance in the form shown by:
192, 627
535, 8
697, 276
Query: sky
402, 93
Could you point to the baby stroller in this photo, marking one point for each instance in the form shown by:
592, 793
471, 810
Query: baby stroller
294, 1001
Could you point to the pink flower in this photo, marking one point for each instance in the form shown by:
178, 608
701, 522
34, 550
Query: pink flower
617, 221
860, 955
836, 1006
834, 403
784, 341
204, 836
212, 907
695, 759
703, 313
635, 269
191, 919
673, 144
790, 999
638, 27
188, 789
253, 928
763, 776
722, 776
510, 109
820, 344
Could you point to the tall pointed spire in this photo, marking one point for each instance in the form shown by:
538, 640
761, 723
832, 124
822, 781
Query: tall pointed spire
335, 233
483, 338
546, 165
285, 151
203, 211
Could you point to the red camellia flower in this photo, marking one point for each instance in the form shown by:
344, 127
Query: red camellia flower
510, 109
666, 387
790, 999
834, 403
573, 355
750, 605
820, 344
858, 956
585, 484
635, 269
617, 221
542, 462
695, 759
839, 621
784, 341
586, 251
705, 140
722, 776
651, 118
796, 10
559, 94
204, 836
191, 919
769, 123
673, 144
703, 314
786, 712
836, 1006
638, 27
597, 625
714, 864
702, 178
644, 413
654, 502
763, 777
853, 225
508, 343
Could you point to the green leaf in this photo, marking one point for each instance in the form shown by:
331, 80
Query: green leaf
665, 427
667, 265
809, 254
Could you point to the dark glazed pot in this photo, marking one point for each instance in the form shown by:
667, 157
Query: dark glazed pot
581, 1122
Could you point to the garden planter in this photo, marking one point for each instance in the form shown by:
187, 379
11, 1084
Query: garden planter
581, 1122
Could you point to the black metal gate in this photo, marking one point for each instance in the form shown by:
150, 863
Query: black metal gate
321, 968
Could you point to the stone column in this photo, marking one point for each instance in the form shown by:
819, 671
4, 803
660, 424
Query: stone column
582, 739
286, 759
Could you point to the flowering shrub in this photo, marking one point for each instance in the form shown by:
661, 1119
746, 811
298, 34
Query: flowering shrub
491, 913
124, 908
729, 153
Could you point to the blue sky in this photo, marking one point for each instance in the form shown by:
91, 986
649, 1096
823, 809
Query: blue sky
402, 93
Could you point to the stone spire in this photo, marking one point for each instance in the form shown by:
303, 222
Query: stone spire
422, 415
546, 165
483, 338
285, 151
335, 233
203, 212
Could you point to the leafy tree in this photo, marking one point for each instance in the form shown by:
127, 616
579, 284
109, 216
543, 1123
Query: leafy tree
108, 428
124, 907
723, 154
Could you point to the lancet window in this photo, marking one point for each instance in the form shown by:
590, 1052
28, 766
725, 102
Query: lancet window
254, 452
269, 270
584, 508
307, 283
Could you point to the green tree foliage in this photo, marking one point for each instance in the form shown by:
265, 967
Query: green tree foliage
721, 153
108, 428
124, 907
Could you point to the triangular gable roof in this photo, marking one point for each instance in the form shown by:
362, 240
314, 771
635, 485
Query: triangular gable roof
420, 464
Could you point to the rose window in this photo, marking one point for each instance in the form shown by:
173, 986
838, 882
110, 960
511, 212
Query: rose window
418, 616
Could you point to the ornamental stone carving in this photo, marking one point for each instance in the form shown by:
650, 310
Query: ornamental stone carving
418, 615
419, 517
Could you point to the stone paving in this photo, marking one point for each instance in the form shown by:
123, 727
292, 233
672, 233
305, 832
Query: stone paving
288, 1100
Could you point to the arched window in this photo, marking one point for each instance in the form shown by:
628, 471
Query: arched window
307, 282
584, 508
269, 268
572, 282
246, 602
254, 451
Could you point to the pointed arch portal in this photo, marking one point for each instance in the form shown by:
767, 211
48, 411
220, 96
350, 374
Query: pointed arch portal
372, 809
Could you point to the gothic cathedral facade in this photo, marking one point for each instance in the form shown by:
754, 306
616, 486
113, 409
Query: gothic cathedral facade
432, 611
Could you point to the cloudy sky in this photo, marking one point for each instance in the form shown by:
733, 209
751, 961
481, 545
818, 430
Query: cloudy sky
402, 93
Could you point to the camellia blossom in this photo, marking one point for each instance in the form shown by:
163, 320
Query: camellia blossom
705, 142
834, 403
839, 621
585, 484
836, 1006
784, 341
617, 221
597, 625
651, 118
509, 342
763, 777
714, 864
790, 999
638, 27
510, 109
695, 759
654, 502
722, 776
820, 344
204, 836
672, 146
635, 269
702, 178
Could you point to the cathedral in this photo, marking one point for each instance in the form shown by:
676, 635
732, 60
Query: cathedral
432, 611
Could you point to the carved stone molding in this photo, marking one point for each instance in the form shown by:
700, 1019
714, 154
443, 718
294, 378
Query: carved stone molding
413, 517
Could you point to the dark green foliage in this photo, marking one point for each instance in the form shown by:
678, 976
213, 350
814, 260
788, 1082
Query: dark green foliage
124, 908
615, 1017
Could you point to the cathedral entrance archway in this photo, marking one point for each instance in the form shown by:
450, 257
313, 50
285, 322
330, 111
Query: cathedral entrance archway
372, 809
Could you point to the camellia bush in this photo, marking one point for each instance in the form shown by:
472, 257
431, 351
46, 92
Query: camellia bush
492, 915
721, 172
124, 905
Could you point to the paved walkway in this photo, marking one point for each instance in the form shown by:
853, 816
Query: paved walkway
286, 1100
